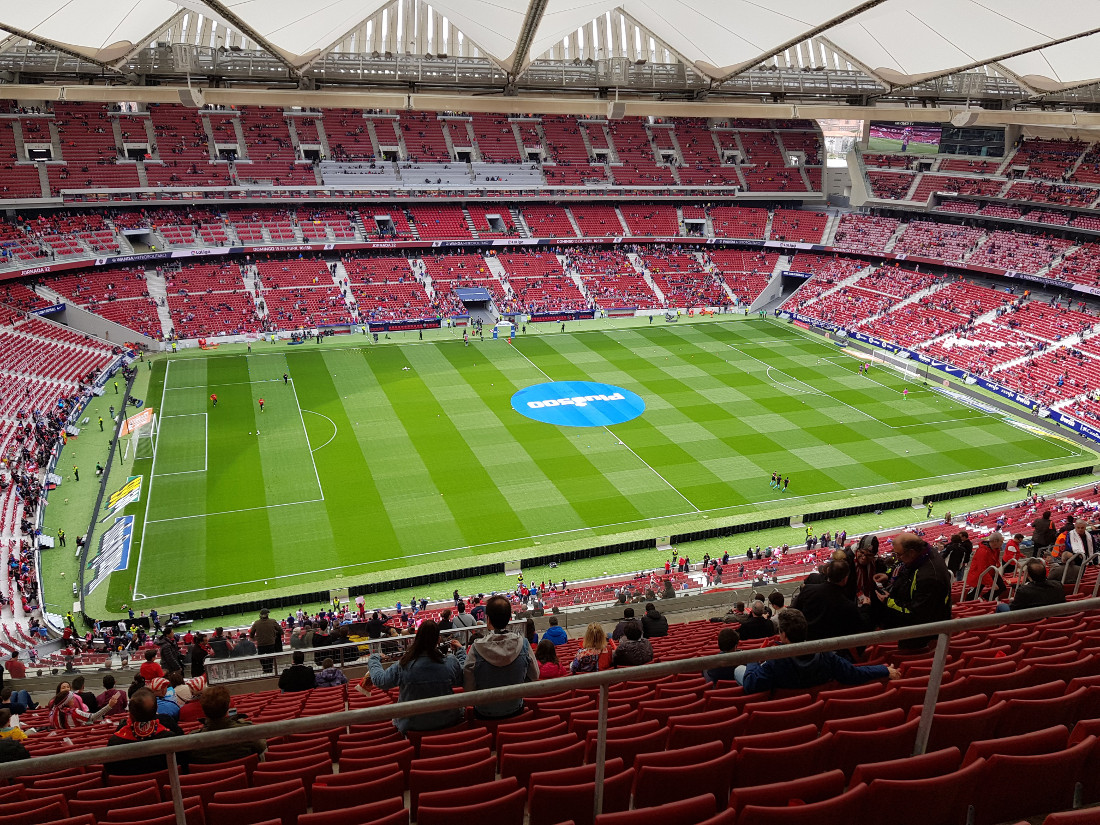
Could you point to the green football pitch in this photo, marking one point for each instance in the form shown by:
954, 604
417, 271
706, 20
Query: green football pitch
375, 458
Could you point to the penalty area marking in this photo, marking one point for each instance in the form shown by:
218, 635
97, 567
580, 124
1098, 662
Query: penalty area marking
330, 421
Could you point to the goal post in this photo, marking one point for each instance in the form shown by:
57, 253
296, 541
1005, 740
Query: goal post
900, 364
142, 430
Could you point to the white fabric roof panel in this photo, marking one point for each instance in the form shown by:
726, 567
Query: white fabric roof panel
901, 40
89, 26
719, 36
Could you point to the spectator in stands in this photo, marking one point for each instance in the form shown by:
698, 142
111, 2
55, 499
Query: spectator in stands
546, 654
267, 634
529, 632
330, 675
86, 696
170, 657
1080, 540
919, 588
628, 616
555, 634
376, 626
595, 652
1066, 570
151, 669
423, 672
244, 646
634, 650
801, 672
110, 690
17, 701
956, 556
219, 645
757, 625
827, 609
144, 725
987, 554
215, 707
654, 624
728, 639
775, 605
168, 709
200, 652
736, 614
298, 676
498, 660
1043, 533
68, 711
1037, 591
8, 730
463, 619
16, 669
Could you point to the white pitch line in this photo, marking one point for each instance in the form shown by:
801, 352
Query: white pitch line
824, 394
152, 474
646, 463
806, 499
227, 384
230, 512
330, 421
305, 432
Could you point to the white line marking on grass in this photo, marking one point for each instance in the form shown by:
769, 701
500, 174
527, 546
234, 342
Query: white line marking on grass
305, 433
227, 384
152, 474
206, 444
806, 499
330, 421
230, 512
812, 391
646, 463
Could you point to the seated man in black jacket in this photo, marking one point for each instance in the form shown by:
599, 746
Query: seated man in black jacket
298, 676
142, 726
826, 606
1037, 591
758, 625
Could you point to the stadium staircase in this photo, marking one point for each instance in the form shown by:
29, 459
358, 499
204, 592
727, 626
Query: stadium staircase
158, 291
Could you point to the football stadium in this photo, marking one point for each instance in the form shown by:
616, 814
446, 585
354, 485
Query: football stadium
708, 391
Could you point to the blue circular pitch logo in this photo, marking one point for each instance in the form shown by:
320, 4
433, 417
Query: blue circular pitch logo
578, 404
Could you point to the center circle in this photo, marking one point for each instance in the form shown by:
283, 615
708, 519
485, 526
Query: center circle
578, 404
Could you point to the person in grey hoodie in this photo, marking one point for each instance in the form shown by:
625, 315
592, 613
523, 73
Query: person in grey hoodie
499, 659
423, 673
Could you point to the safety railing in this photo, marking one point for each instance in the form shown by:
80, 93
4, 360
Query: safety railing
343, 654
603, 681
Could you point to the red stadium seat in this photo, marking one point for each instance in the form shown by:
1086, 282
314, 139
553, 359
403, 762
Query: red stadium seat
550, 804
661, 784
937, 800
285, 801
1040, 741
1059, 772
809, 789
357, 814
692, 811
846, 807
506, 809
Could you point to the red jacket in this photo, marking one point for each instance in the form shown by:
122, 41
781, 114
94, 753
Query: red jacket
984, 556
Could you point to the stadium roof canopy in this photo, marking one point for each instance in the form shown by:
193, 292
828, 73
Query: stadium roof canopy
1037, 48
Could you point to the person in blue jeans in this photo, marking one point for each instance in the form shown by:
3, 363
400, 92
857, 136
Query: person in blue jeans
17, 701
800, 672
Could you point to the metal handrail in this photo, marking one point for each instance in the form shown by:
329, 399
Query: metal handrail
603, 680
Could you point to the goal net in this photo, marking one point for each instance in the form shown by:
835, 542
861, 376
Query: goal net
141, 430
898, 363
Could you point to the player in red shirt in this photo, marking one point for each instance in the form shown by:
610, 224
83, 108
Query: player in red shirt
213, 399
261, 405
